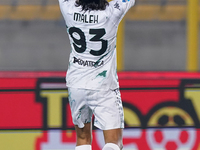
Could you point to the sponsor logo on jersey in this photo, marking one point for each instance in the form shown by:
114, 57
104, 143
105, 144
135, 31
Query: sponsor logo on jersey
87, 63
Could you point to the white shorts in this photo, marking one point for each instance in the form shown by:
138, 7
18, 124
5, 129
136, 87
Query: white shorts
106, 106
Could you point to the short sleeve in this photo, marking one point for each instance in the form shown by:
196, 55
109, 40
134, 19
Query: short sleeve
119, 8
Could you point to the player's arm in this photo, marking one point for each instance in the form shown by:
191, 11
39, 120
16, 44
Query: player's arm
127, 4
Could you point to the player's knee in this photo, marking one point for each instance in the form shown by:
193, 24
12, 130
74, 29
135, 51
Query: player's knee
111, 146
84, 138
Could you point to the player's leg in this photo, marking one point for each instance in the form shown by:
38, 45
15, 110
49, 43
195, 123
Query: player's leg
84, 137
81, 116
109, 117
113, 139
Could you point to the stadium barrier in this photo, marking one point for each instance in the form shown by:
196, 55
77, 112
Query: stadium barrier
161, 111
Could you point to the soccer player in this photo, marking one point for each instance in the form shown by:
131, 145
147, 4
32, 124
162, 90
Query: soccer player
91, 77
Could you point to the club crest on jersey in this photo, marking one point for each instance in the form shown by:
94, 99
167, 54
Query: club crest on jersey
87, 63
125, 1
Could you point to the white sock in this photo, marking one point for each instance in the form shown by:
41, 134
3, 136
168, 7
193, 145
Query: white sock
83, 147
111, 146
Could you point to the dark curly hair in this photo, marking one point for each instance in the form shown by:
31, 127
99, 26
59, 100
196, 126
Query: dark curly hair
92, 4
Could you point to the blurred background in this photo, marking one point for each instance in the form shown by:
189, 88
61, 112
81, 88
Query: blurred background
154, 36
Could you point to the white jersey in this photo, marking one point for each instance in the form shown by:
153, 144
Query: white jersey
92, 34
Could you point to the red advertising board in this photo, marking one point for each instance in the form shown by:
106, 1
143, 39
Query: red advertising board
162, 111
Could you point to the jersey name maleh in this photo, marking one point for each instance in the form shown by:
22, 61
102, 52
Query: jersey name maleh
92, 34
